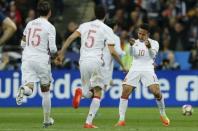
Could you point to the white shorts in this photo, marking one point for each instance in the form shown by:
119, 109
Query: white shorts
91, 75
107, 72
146, 77
33, 72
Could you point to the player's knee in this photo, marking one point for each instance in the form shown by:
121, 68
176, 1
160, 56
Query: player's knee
157, 94
45, 87
97, 92
155, 90
126, 91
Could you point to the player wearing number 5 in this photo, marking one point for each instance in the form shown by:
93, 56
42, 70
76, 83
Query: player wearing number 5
144, 51
39, 46
94, 35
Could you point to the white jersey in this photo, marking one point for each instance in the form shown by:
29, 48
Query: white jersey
118, 48
108, 59
94, 35
40, 41
107, 68
143, 58
107, 55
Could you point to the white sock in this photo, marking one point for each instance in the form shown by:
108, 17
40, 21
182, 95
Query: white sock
46, 103
122, 108
27, 91
95, 104
88, 95
161, 106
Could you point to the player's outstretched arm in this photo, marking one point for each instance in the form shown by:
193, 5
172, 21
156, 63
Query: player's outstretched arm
69, 40
9, 28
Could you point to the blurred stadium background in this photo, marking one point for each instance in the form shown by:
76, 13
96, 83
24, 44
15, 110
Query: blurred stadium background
174, 23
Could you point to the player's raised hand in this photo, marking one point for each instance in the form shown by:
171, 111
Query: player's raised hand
147, 43
131, 41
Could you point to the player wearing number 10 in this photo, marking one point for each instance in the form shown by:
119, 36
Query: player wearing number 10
144, 50
39, 46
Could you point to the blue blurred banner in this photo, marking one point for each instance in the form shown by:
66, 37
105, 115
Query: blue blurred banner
178, 87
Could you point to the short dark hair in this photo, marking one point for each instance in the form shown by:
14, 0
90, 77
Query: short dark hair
145, 26
100, 12
43, 8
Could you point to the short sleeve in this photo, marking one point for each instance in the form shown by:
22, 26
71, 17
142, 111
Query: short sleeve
155, 46
80, 29
109, 36
117, 45
52, 40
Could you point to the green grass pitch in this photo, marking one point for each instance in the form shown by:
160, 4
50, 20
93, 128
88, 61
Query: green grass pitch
68, 119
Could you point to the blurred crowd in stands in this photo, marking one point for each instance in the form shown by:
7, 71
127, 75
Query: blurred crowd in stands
173, 23
21, 12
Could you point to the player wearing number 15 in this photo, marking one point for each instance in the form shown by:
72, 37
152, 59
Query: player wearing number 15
144, 50
39, 46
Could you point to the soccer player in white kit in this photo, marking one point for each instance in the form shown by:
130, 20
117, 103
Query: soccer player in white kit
93, 35
144, 51
39, 46
107, 69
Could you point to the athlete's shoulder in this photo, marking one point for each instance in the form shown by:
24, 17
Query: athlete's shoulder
48, 25
52, 27
116, 37
106, 27
85, 24
29, 23
137, 40
153, 41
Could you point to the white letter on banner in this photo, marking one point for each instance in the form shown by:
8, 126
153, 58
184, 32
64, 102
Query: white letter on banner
7, 91
15, 83
75, 84
62, 83
186, 88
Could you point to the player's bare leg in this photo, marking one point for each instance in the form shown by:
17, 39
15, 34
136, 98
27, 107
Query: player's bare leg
46, 103
160, 102
26, 90
127, 90
95, 105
